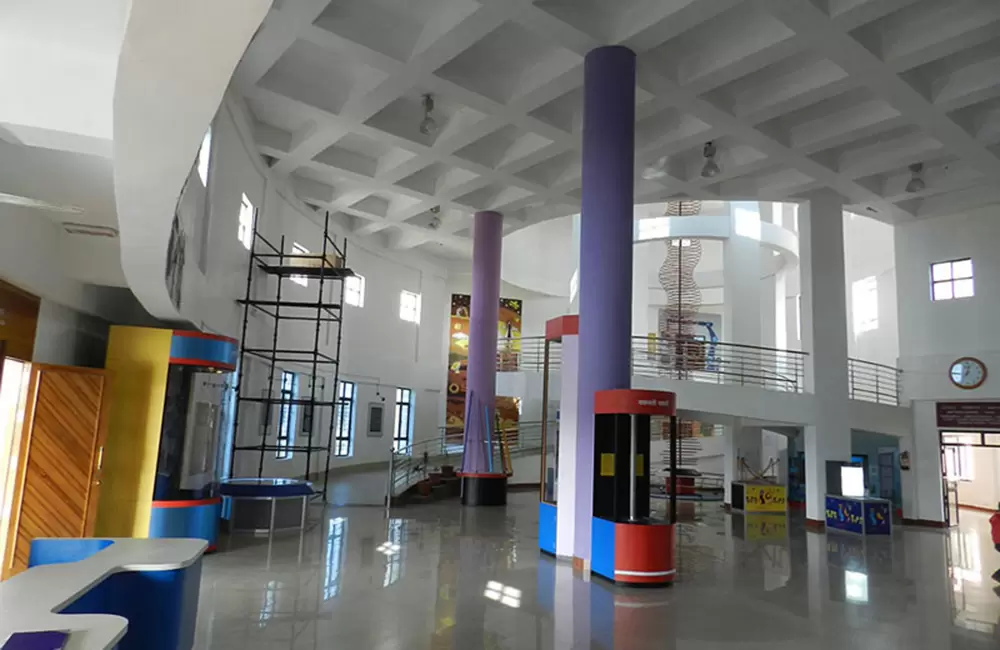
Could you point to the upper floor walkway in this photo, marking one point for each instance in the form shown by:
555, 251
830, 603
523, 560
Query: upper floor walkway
718, 381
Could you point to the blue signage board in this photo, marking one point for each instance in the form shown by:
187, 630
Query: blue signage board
844, 514
878, 518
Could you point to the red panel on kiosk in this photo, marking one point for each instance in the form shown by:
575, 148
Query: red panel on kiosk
644, 553
624, 401
562, 326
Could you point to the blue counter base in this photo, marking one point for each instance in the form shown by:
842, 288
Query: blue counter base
484, 489
161, 606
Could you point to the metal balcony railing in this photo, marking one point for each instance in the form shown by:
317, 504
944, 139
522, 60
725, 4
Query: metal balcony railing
874, 382
719, 363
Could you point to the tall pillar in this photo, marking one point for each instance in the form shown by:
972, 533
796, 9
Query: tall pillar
741, 276
605, 254
480, 391
824, 337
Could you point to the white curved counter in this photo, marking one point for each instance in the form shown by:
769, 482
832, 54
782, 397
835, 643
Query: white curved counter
31, 600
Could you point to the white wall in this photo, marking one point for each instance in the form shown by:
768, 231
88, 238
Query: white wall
933, 334
379, 351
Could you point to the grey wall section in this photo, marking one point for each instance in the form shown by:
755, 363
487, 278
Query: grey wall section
69, 337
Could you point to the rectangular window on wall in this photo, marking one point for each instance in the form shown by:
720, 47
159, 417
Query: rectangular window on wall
864, 304
409, 306
204, 156
403, 425
354, 290
245, 229
299, 249
286, 415
343, 444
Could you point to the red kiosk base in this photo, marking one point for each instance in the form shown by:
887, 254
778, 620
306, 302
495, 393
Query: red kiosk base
483, 489
627, 545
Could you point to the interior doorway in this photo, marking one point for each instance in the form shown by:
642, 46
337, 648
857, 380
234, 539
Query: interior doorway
14, 376
969, 464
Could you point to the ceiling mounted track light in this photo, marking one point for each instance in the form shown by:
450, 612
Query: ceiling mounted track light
916, 183
711, 168
428, 126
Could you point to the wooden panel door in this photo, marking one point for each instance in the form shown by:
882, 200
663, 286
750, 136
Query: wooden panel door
59, 464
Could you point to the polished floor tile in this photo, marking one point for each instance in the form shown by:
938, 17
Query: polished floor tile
440, 576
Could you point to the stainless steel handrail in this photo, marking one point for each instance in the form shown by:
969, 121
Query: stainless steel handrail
410, 464
874, 382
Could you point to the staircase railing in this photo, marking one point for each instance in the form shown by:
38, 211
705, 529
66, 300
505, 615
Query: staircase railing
411, 464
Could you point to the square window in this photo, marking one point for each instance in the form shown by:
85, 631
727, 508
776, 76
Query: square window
354, 290
409, 306
299, 250
952, 279
245, 229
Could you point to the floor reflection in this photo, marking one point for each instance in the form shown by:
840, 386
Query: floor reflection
443, 577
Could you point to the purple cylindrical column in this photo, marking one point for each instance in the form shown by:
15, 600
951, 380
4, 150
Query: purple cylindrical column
605, 254
481, 375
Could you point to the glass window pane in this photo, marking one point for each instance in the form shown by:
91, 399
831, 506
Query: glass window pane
941, 271
964, 288
942, 291
961, 269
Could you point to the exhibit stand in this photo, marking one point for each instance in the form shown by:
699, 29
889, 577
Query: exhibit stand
628, 545
759, 496
167, 407
859, 515
851, 511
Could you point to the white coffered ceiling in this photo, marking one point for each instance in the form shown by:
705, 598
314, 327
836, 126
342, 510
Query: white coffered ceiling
798, 95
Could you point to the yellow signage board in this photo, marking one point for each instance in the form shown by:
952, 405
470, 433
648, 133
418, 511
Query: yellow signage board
764, 498
607, 464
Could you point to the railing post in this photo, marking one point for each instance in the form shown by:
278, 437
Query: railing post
878, 392
850, 374
390, 486
742, 371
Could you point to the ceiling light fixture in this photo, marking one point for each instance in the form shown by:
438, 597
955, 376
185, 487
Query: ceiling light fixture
28, 202
916, 183
656, 170
711, 168
428, 126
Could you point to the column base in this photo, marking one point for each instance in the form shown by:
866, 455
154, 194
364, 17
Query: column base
484, 489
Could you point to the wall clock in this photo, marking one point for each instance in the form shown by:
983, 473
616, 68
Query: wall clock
967, 373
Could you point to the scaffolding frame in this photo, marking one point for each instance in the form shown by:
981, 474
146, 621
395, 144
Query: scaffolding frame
330, 268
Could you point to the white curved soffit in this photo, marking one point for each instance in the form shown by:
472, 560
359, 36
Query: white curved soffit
176, 61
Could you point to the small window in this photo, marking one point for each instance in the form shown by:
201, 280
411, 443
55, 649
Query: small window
864, 304
344, 427
204, 156
409, 306
402, 430
297, 250
245, 230
952, 279
286, 416
354, 290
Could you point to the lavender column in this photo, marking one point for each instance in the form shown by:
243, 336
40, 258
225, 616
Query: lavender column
480, 390
605, 254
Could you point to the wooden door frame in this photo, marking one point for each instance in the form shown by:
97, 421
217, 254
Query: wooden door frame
24, 447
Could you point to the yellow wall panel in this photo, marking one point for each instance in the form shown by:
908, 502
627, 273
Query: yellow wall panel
137, 363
